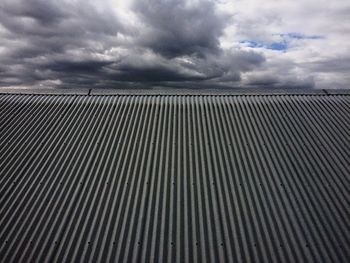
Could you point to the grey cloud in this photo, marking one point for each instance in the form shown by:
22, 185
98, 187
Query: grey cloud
42, 36
152, 74
173, 44
269, 81
44, 12
84, 67
340, 65
51, 18
69, 44
177, 28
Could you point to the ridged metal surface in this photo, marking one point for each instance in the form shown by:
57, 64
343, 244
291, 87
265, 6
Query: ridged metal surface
174, 178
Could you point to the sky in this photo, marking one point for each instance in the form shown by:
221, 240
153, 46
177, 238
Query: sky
300, 44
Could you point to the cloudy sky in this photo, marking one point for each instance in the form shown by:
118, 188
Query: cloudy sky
175, 43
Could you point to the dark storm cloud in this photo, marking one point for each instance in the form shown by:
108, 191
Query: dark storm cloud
280, 82
45, 40
87, 44
43, 12
51, 18
175, 28
77, 67
152, 74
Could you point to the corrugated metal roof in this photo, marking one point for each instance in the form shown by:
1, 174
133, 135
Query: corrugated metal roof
175, 178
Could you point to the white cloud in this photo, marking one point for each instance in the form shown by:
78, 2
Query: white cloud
305, 59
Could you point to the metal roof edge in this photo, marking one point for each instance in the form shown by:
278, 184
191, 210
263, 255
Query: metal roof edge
45, 91
179, 92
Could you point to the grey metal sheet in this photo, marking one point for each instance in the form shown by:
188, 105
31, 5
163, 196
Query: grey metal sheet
174, 178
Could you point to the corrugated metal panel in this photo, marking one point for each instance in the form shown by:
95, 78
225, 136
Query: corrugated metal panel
174, 178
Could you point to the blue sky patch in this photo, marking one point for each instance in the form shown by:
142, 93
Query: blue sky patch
299, 36
282, 45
